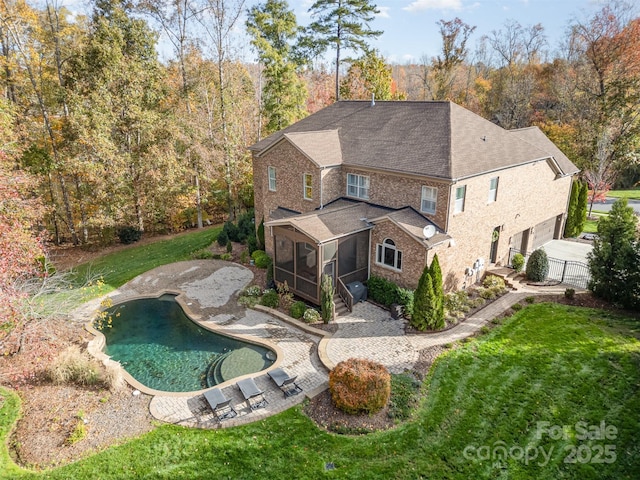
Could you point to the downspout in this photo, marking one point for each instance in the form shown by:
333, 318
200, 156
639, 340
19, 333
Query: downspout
322, 169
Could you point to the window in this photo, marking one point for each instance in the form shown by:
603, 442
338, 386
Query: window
429, 199
272, 178
307, 184
358, 186
460, 192
387, 254
493, 189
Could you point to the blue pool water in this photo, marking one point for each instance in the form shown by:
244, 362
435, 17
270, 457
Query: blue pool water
162, 348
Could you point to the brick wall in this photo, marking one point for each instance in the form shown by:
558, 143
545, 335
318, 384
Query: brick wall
414, 255
398, 191
527, 195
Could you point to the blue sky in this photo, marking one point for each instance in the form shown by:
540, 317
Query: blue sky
410, 29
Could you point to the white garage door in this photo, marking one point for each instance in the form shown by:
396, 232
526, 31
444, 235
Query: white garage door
543, 233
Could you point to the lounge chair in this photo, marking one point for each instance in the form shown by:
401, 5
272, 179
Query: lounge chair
286, 383
252, 394
220, 404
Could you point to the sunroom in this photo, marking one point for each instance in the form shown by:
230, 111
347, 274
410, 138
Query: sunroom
333, 241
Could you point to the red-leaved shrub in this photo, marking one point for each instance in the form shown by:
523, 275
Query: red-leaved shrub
359, 386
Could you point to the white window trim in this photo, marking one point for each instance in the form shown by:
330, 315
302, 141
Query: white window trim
380, 254
269, 171
434, 199
359, 188
464, 198
493, 192
304, 186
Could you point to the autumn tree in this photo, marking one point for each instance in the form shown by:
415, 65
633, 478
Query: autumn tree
20, 213
455, 34
341, 24
606, 61
369, 75
273, 27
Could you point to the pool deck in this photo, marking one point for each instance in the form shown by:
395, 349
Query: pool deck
208, 291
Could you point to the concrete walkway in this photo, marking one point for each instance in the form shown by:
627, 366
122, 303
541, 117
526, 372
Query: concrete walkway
367, 332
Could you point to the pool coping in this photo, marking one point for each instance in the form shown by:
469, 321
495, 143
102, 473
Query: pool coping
96, 345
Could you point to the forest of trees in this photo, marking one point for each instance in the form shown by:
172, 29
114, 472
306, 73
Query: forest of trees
106, 135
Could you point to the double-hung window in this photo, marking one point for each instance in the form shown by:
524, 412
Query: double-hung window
358, 186
272, 178
429, 200
493, 190
307, 185
388, 255
460, 194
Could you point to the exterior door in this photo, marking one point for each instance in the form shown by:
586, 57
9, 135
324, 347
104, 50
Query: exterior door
495, 238
330, 269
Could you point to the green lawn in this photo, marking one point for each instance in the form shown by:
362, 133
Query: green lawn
630, 194
548, 363
118, 268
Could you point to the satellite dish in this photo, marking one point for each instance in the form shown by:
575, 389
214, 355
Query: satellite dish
429, 231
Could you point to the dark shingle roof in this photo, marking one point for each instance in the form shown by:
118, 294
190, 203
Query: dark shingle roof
436, 139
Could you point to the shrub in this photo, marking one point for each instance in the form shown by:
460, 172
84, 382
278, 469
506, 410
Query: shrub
252, 244
74, 367
246, 227
570, 293
226, 256
405, 298
286, 297
253, 291
222, 238
326, 298
244, 257
538, 266
491, 281
405, 392
516, 307
456, 301
261, 259
487, 293
129, 234
202, 254
381, 290
477, 302
530, 300
517, 262
270, 299
297, 309
232, 232
359, 386
260, 235
229, 246
79, 432
311, 315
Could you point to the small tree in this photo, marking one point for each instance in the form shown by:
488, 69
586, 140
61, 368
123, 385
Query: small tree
538, 266
326, 298
581, 208
614, 261
428, 302
438, 292
570, 225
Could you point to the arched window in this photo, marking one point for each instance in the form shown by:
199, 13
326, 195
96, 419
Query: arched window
388, 255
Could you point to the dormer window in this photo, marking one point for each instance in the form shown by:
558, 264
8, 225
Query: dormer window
358, 186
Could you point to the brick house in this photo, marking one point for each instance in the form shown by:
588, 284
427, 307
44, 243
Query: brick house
360, 189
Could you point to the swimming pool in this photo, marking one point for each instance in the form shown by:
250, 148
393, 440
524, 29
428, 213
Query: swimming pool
160, 347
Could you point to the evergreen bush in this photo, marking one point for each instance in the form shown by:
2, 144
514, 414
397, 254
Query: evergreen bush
326, 298
222, 238
538, 266
270, 299
129, 235
297, 309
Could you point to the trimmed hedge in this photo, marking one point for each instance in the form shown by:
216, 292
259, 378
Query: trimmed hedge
387, 293
261, 259
538, 266
297, 309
